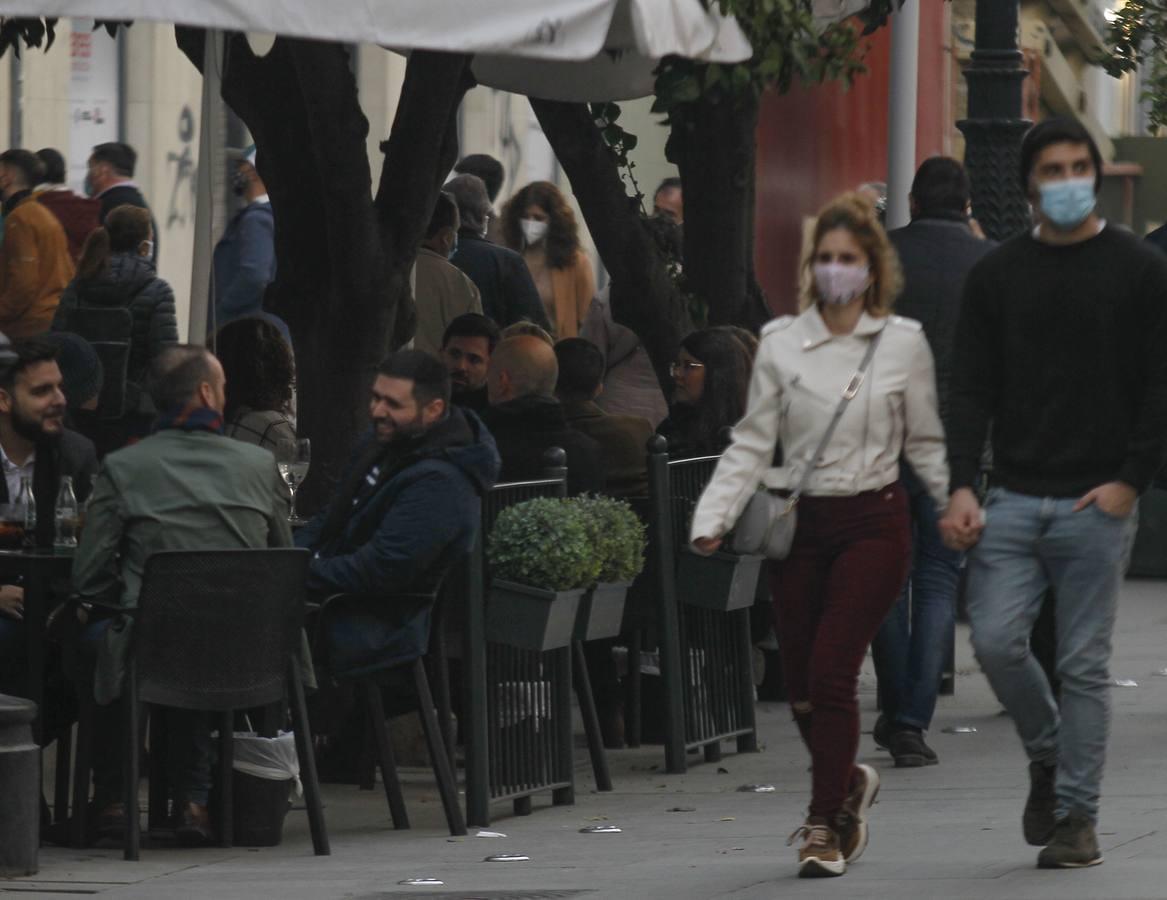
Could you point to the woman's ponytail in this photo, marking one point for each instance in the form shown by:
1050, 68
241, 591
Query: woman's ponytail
94, 254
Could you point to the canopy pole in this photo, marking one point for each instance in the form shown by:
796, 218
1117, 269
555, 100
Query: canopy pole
211, 160
901, 113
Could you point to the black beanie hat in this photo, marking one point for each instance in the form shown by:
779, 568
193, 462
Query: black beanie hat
80, 366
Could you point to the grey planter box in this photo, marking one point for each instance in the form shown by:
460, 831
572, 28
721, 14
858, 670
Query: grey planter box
530, 618
722, 581
601, 611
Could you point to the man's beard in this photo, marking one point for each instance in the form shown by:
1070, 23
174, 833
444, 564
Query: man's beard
31, 429
405, 432
458, 389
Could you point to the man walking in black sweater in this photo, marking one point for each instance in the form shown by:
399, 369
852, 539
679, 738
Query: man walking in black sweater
1059, 348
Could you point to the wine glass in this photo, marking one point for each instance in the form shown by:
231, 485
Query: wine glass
293, 458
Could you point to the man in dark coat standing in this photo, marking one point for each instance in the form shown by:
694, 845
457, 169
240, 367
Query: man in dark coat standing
245, 257
110, 181
936, 250
526, 419
508, 293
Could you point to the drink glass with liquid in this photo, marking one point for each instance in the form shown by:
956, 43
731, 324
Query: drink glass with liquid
293, 459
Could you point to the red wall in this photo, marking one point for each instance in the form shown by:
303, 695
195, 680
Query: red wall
816, 142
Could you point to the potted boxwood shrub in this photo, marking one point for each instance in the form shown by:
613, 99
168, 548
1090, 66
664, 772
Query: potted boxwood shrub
541, 560
618, 537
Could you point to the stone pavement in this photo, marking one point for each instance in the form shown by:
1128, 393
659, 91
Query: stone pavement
950, 831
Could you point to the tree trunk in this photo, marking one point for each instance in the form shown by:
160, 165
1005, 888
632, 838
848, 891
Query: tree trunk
643, 294
342, 260
714, 146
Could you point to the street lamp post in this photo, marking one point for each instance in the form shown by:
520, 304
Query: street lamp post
994, 127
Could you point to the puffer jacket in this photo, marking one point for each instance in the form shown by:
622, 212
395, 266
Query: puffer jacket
130, 282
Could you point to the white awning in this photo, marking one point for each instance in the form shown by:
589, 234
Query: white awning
536, 29
640, 33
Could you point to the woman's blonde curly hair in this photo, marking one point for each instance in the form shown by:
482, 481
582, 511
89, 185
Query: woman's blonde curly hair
857, 215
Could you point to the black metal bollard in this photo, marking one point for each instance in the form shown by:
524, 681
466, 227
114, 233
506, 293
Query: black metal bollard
20, 787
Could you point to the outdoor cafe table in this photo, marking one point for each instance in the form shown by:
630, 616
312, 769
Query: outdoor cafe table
37, 570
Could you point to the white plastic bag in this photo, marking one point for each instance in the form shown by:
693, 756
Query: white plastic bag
271, 758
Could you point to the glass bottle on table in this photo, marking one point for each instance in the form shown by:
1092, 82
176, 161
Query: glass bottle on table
68, 516
26, 504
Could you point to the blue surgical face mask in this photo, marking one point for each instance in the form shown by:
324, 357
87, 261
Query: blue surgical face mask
453, 248
1068, 202
88, 187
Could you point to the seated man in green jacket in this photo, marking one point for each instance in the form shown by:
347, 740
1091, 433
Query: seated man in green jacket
186, 487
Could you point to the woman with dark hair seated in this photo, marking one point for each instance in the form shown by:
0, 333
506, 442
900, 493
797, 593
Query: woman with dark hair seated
710, 380
260, 380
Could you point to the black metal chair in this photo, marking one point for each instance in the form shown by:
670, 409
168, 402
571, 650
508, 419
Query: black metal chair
220, 631
506, 759
369, 685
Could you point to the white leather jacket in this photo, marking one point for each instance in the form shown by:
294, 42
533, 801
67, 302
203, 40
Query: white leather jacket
799, 376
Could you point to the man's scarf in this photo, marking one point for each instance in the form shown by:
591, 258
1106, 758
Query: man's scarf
191, 418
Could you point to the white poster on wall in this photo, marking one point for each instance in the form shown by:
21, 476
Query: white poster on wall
93, 95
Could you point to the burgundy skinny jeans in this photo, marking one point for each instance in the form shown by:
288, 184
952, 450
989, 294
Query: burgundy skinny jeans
846, 568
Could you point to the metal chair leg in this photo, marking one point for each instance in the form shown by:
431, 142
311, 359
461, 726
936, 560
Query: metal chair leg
444, 700
376, 720
226, 777
591, 721
159, 788
443, 772
307, 757
82, 761
133, 722
61, 776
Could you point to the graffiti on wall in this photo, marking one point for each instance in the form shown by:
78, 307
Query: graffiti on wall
183, 172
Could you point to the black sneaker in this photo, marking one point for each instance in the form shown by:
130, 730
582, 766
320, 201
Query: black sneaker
909, 750
882, 733
1040, 816
1074, 845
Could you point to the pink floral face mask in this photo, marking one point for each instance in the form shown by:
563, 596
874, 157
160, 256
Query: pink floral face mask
840, 283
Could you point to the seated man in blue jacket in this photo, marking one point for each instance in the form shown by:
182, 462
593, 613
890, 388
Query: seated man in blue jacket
408, 504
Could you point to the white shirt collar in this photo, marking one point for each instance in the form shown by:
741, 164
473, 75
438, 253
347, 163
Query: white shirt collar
128, 183
10, 466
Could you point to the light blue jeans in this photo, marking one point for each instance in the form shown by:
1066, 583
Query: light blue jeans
1029, 545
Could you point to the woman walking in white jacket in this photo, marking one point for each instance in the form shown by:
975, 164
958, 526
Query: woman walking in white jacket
852, 545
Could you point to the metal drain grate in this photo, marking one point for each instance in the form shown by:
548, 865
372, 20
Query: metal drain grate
474, 895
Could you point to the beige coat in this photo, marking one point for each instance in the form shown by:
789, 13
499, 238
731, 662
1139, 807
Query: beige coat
798, 379
443, 293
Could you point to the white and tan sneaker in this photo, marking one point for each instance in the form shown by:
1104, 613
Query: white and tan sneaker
819, 856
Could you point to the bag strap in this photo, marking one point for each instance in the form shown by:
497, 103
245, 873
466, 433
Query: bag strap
849, 393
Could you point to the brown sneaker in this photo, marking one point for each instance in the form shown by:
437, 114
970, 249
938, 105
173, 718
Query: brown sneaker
1074, 844
819, 856
851, 824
